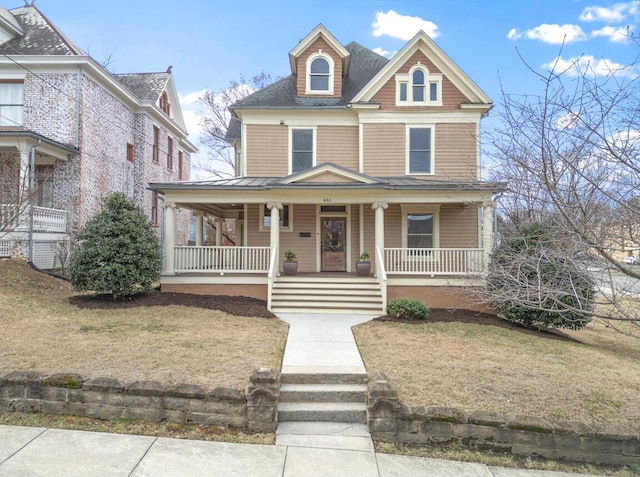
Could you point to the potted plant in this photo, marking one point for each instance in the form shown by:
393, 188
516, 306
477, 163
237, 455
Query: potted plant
363, 266
290, 264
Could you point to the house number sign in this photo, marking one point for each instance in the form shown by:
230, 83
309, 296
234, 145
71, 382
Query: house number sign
326, 200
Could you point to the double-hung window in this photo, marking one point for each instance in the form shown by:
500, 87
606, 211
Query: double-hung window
419, 87
419, 150
11, 103
285, 218
320, 74
420, 229
302, 150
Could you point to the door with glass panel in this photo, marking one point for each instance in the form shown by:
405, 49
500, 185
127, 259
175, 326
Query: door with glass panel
333, 244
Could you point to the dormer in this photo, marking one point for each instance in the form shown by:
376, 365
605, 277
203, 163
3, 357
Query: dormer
9, 26
319, 63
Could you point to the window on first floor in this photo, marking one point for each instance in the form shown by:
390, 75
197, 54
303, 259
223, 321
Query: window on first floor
155, 209
302, 150
420, 227
419, 150
285, 218
11, 103
44, 186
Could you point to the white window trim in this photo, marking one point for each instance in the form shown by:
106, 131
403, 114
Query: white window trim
429, 78
315, 148
310, 60
431, 128
407, 209
289, 228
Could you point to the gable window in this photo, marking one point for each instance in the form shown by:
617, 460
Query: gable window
286, 224
156, 143
302, 149
163, 102
11, 103
320, 74
419, 150
170, 153
419, 87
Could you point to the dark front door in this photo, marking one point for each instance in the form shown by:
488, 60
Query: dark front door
333, 246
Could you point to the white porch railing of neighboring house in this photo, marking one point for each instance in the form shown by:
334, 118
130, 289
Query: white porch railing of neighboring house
434, 261
221, 259
381, 275
44, 219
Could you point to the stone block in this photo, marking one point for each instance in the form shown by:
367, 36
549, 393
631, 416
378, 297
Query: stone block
383, 409
262, 414
224, 394
187, 391
261, 426
615, 432
216, 407
382, 426
102, 384
75, 395
263, 397
13, 391
529, 423
265, 377
54, 394
572, 428
103, 411
63, 380
487, 418
25, 405
215, 419
609, 446
55, 407
176, 403
146, 388
445, 414
474, 435
145, 414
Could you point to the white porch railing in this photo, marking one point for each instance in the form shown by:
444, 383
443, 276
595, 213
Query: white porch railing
44, 219
221, 259
434, 261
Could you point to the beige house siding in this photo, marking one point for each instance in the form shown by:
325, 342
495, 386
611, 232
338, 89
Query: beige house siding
319, 44
455, 152
384, 149
267, 150
355, 234
339, 145
459, 226
451, 96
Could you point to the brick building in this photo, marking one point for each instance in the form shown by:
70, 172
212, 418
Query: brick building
71, 132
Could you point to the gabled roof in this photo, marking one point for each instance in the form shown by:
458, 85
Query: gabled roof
317, 32
39, 37
146, 86
329, 170
421, 41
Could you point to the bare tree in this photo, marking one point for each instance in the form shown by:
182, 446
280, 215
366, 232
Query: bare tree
571, 158
216, 122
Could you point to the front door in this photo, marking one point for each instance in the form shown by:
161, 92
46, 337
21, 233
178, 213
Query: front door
333, 244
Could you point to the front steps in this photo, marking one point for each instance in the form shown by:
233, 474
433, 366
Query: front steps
323, 410
317, 294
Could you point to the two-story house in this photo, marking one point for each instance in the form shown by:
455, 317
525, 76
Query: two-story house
71, 132
351, 153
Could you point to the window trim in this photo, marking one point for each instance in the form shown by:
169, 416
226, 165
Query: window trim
310, 60
163, 103
429, 79
288, 228
431, 128
180, 165
170, 153
408, 209
155, 157
155, 210
314, 146
131, 154
14, 105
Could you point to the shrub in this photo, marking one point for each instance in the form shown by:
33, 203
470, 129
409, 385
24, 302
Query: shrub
534, 281
117, 251
407, 309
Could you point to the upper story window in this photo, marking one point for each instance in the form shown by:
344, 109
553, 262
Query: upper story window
180, 165
320, 74
302, 149
419, 87
156, 144
164, 103
170, 153
419, 150
11, 103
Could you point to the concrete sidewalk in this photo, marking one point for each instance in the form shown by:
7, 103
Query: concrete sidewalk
34, 452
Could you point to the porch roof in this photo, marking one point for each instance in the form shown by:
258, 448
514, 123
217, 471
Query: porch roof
46, 146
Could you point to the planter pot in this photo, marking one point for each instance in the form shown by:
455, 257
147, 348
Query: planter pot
363, 268
290, 268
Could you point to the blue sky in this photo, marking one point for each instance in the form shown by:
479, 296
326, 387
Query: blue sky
210, 42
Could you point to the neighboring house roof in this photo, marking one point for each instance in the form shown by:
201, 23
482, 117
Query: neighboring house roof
40, 36
146, 86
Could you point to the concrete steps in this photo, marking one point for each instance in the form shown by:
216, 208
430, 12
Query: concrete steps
315, 294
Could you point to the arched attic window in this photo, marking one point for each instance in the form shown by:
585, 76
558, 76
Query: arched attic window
320, 74
163, 102
419, 87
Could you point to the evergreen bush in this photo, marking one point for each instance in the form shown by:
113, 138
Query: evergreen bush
407, 309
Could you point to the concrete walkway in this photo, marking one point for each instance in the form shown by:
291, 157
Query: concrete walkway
317, 344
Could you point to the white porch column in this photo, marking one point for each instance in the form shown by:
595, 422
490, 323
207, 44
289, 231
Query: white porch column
199, 228
379, 207
275, 208
487, 229
169, 237
218, 231
24, 187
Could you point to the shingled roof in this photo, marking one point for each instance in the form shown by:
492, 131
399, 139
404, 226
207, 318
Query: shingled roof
146, 86
40, 36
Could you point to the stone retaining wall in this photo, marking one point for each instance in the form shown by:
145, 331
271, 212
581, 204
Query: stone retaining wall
390, 421
108, 398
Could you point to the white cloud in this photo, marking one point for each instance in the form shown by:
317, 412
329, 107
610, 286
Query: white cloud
568, 121
190, 98
384, 53
615, 34
553, 34
587, 65
403, 27
615, 13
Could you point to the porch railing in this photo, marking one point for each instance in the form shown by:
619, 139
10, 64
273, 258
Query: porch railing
381, 275
44, 219
221, 259
434, 261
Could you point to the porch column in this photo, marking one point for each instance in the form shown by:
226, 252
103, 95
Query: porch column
379, 207
199, 228
169, 237
24, 187
487, 229
275, 208
218, 231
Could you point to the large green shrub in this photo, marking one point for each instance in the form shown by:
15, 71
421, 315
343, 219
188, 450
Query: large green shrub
407, 309
117, 251
534, 280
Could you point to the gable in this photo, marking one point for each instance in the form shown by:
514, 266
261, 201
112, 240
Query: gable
319, 47
328, 173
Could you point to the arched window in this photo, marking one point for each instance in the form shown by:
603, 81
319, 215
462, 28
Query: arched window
320, 74
164, 103
418, 85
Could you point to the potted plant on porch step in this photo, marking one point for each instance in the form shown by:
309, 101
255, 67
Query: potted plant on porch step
363, 266
290, 264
